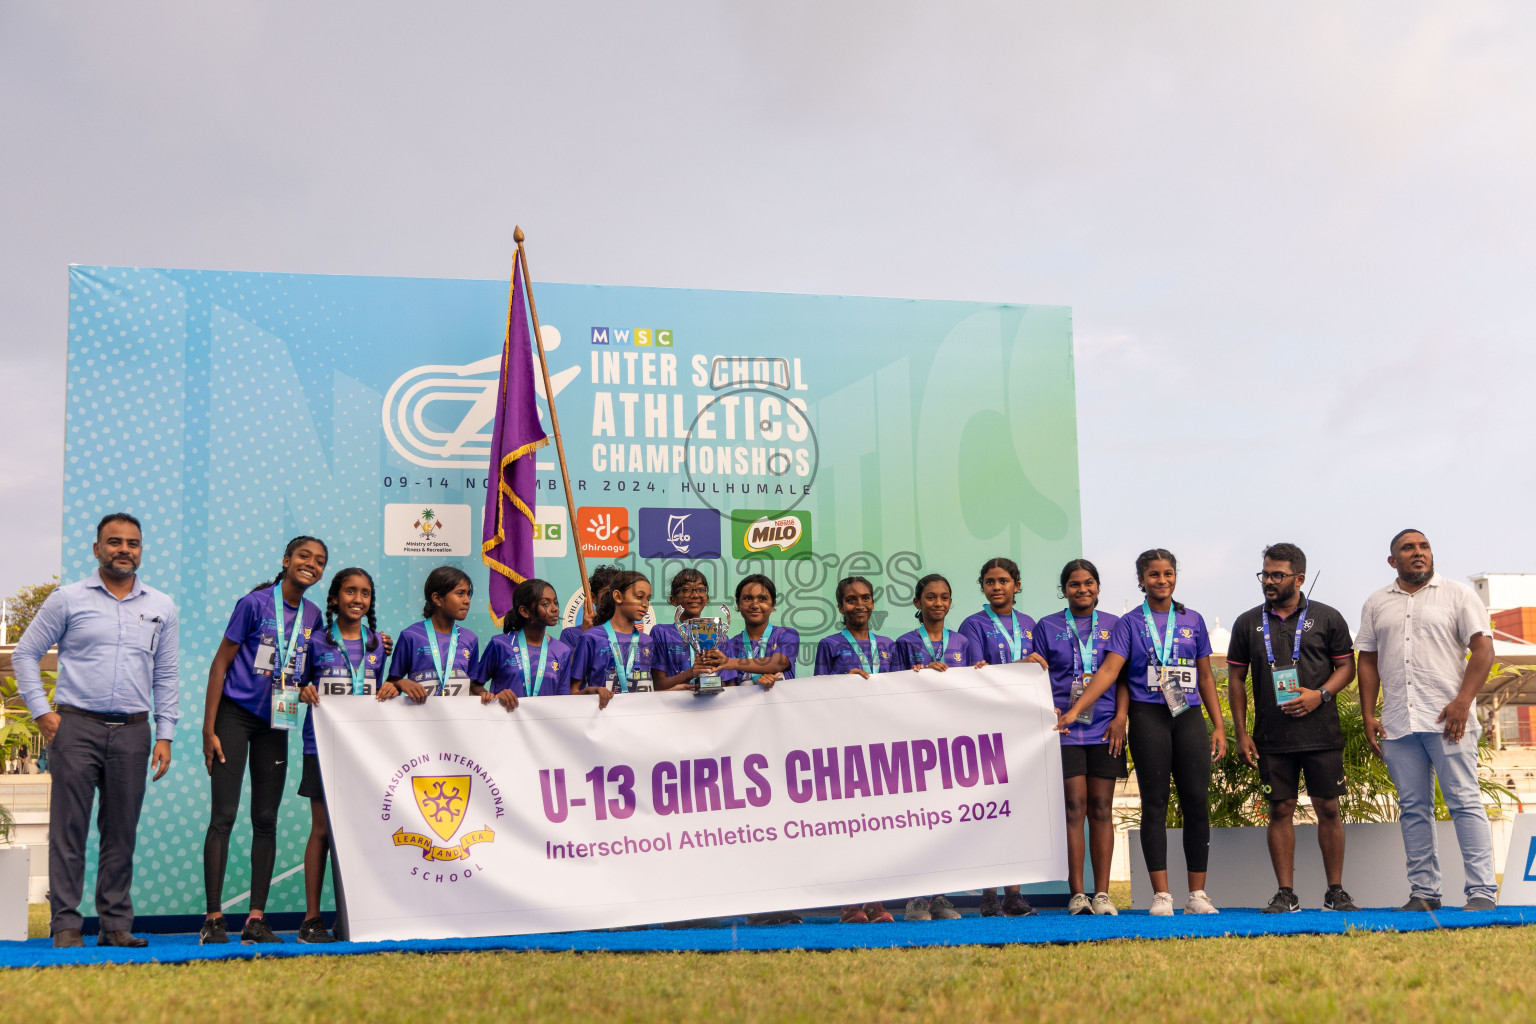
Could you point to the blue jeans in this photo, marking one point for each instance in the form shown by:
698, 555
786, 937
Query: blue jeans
1415, 761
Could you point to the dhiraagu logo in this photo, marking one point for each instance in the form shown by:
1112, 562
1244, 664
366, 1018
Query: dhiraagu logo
763, 534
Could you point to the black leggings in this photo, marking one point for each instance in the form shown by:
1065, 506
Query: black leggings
240, 731
1162, 745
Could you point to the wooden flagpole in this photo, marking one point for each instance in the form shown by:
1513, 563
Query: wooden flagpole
554, 422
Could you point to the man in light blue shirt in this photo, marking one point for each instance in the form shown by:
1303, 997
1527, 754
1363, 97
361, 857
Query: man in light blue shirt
117, 665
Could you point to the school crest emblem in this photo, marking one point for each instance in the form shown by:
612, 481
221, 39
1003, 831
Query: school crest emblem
1186, 633
442, 801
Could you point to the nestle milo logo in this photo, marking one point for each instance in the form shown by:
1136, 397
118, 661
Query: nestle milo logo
759, 533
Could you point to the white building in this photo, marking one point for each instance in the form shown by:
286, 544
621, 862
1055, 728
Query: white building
1501, 590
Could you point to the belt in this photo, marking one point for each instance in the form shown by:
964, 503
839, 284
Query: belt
109, 717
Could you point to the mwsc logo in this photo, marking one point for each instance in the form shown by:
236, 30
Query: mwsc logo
441, 416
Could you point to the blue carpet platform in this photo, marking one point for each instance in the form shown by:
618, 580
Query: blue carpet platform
1052, 926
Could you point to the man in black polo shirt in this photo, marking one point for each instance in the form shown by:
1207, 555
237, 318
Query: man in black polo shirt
1296, 677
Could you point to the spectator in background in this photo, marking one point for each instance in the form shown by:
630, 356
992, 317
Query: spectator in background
117, 665
1415, 635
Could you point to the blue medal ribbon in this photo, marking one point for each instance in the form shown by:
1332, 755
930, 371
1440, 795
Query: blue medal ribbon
437, 664
621, 667
871, 664
282, 671
531, 684
1015, 639
1085, 654
358, 673
1163, 652
933, 655
757, 650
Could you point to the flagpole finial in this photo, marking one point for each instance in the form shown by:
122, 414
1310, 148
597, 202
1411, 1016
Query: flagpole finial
517, 235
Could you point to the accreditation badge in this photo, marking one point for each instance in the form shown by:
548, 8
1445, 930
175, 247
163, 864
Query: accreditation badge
285, 708
1287, 684
1169, 681
1079, 687
266, 657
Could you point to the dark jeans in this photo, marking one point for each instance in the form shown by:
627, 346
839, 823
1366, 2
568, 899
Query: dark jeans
244, 737
1162, 745
87, 756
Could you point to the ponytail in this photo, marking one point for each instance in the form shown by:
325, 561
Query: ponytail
527, 595
619, 583
293, 545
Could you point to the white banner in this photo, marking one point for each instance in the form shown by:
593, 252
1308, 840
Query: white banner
453, 819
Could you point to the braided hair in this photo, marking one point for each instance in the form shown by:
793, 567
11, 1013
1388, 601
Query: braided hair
333, 605
293, 545
1145, 560
527, 595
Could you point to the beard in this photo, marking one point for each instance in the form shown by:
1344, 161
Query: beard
1284, 593
1418, 579
110, 568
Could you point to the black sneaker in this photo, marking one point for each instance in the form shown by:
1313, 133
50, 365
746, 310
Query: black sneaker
1284, 902
1480, 903
1015, 905
213, 932
991, 906
1418, 904
1337, 899
313, 930
257, 930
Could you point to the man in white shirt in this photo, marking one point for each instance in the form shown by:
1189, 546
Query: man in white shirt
1413, 641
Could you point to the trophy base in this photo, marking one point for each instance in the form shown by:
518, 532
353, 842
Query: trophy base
707, 686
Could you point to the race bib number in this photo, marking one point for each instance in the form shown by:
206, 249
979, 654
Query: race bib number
457, 685
1287, 685
341, 686
1171, 681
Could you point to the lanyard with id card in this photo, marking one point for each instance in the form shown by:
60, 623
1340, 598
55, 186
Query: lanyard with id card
1082, 663
285, 695
1169, 680
757, 650
1287, 680
444, 673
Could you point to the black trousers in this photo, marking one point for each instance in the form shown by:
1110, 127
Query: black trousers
244, 738
88, 756
1162, 745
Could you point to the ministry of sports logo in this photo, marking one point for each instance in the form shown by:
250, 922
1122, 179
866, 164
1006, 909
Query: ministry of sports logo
441, 415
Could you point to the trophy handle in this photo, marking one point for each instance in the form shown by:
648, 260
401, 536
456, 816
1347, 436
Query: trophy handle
726, 612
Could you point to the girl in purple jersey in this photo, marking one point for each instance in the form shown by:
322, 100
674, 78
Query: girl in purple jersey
346, 658
525, 659
437, 655
675, 666
932, 644
762, 653
1073, 642
596, 582
262, 650
1168, 653
1002, 634
860, 651
614, 655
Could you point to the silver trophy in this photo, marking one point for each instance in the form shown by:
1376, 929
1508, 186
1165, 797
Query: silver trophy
706, 633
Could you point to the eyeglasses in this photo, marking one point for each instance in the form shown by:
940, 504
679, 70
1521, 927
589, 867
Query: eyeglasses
1275, 577
693, 592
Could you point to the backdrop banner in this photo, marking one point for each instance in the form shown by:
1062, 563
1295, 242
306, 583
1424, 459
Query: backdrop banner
456, 819
805, 437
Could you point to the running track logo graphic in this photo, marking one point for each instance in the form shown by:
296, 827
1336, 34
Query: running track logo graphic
441, 416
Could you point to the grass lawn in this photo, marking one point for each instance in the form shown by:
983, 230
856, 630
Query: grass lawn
1461, 975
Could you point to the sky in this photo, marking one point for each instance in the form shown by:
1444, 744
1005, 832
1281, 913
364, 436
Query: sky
1297, 239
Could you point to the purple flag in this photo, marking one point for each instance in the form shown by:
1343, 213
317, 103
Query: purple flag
507, 533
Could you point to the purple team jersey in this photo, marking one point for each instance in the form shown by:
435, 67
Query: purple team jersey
412, 659
594, 658
327, 671
775, 640
1129, 639
253, 625
991, 644
835, 656
1054, 642
571, 636
501, 666
670, 649
912, 652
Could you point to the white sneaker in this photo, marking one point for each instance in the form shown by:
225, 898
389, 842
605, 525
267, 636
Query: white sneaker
1162, 905
1079, 904
1102, 904
1200, 903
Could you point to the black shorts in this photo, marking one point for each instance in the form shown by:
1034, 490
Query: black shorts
310, 786
1324, 771
1093, 760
